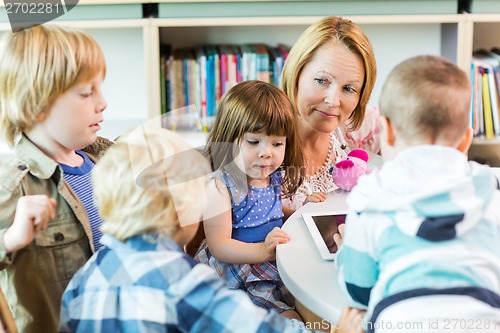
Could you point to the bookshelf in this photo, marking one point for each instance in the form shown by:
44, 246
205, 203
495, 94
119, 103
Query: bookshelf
440, 34
486, 151
482, 24
398, 29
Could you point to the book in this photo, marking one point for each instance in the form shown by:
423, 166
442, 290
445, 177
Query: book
284, 49
494, 99
276, 62
201, 57
228, 67
234, 59
261, 62
163, 95
475, 101
223, 55
480, 110
490, 62
211, 80
488, 120
479, 107
165, 60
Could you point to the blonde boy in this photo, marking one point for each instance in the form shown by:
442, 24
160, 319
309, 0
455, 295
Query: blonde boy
150, 189
51, 105
421, 246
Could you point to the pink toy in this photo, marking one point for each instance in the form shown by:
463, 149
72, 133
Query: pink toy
346, 173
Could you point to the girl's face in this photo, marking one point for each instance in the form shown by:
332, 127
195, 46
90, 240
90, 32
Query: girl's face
73, 120
329, 87
259, 156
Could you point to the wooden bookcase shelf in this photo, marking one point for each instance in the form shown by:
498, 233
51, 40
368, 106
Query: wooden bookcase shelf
398, 29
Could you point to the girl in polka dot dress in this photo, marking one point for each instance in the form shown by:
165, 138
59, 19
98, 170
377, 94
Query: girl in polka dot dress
255, 152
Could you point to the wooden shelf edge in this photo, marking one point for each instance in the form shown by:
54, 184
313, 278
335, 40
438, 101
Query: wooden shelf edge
479, 18
110, 2
182, 1
302, 20
108, 23
251, 21
484, 141
102, 2
94, 24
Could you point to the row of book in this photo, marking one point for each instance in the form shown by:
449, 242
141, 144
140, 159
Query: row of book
194, 79
485, 80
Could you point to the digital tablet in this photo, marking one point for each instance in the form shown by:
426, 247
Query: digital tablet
322, 226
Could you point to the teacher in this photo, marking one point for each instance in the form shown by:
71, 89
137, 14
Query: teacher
329, 76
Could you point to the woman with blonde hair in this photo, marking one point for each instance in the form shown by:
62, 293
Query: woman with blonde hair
329, 76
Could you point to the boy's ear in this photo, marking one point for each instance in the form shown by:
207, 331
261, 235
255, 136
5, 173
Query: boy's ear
41, 117
387, 131
465, 141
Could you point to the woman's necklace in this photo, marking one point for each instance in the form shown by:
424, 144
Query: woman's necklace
326, 163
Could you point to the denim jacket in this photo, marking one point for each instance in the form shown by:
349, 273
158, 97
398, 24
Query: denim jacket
34, 278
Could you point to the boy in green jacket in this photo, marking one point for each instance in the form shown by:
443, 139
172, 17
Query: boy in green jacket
51, 105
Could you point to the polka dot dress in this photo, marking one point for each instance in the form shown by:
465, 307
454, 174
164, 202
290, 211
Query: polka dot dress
259, 212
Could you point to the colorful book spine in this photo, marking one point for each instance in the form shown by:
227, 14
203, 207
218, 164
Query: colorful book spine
163, 95
494, 100
262, 62
223, 69
202, 69
194, 80
488, 120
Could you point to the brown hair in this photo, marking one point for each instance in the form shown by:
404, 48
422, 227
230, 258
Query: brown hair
256, 107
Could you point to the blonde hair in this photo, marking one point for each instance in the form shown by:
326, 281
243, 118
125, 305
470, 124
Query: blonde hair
255, 107
427, 97
38, 65
149, 181
344, 32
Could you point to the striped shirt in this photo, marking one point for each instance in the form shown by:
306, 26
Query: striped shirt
79, 180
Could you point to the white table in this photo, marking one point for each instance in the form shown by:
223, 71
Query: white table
310, 279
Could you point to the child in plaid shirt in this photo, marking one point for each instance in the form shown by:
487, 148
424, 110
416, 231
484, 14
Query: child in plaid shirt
150, 191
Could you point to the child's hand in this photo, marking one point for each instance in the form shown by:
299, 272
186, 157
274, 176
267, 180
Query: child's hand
339, 237
273, 238
316, 197
33, 213
350, 321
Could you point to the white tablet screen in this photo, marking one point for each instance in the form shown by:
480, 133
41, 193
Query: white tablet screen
322, 227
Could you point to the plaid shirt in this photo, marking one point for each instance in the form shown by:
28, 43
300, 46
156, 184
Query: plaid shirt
147, 284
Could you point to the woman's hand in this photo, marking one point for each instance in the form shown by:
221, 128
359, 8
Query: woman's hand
316, 197
273, 238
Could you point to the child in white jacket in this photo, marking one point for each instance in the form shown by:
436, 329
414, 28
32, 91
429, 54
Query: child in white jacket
421, 247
